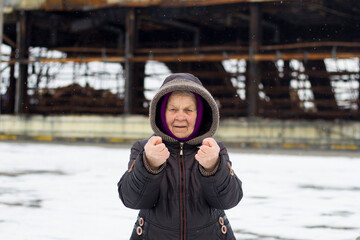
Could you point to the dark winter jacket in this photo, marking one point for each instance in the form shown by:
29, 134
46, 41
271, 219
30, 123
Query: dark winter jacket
181, 201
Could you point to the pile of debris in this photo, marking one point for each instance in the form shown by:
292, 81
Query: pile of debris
75, 99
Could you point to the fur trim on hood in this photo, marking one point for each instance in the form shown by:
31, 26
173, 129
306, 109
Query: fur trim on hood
185, 82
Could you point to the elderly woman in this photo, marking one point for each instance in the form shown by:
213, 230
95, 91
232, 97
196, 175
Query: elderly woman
181, 178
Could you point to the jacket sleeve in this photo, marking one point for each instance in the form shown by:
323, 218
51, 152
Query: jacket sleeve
138, 188
222, 190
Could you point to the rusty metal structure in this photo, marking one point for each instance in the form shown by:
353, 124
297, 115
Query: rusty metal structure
279, 49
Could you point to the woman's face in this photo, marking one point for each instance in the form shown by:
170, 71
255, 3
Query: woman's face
181, 114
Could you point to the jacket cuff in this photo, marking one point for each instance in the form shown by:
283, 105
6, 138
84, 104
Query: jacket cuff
206, 173
147, 166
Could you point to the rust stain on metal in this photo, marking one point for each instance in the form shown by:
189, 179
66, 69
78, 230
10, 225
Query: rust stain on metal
61, 5
73, 4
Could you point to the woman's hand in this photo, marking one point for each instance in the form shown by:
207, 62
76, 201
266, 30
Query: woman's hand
156, 152
208, 154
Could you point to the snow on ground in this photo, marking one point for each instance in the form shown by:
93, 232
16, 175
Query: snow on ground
68, 192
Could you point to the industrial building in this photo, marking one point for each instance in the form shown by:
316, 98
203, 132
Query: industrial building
276, 68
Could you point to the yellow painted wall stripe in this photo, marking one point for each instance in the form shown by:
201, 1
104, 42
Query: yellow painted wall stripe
8, 137
43, 138
255, 145
345, 147
116, 140
294, 145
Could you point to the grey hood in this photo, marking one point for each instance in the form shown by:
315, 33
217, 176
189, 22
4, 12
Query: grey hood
185, 82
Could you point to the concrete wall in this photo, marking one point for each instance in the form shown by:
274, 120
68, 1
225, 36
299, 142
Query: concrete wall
292, 134
238, 132
123, 128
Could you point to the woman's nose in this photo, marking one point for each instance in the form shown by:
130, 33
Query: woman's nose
180, 116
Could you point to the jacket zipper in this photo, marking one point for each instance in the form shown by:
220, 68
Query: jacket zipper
182, 193
181, 148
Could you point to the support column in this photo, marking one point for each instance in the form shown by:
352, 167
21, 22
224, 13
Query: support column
139, 89
252, 94
1, 37
129, 65
21, 99
12, 85
358, 100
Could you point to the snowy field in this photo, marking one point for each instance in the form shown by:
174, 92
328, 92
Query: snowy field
68, 192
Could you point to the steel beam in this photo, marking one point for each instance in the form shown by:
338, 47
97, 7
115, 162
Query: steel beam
1, 37
21, 82
12, 83
129, 65
252, 93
